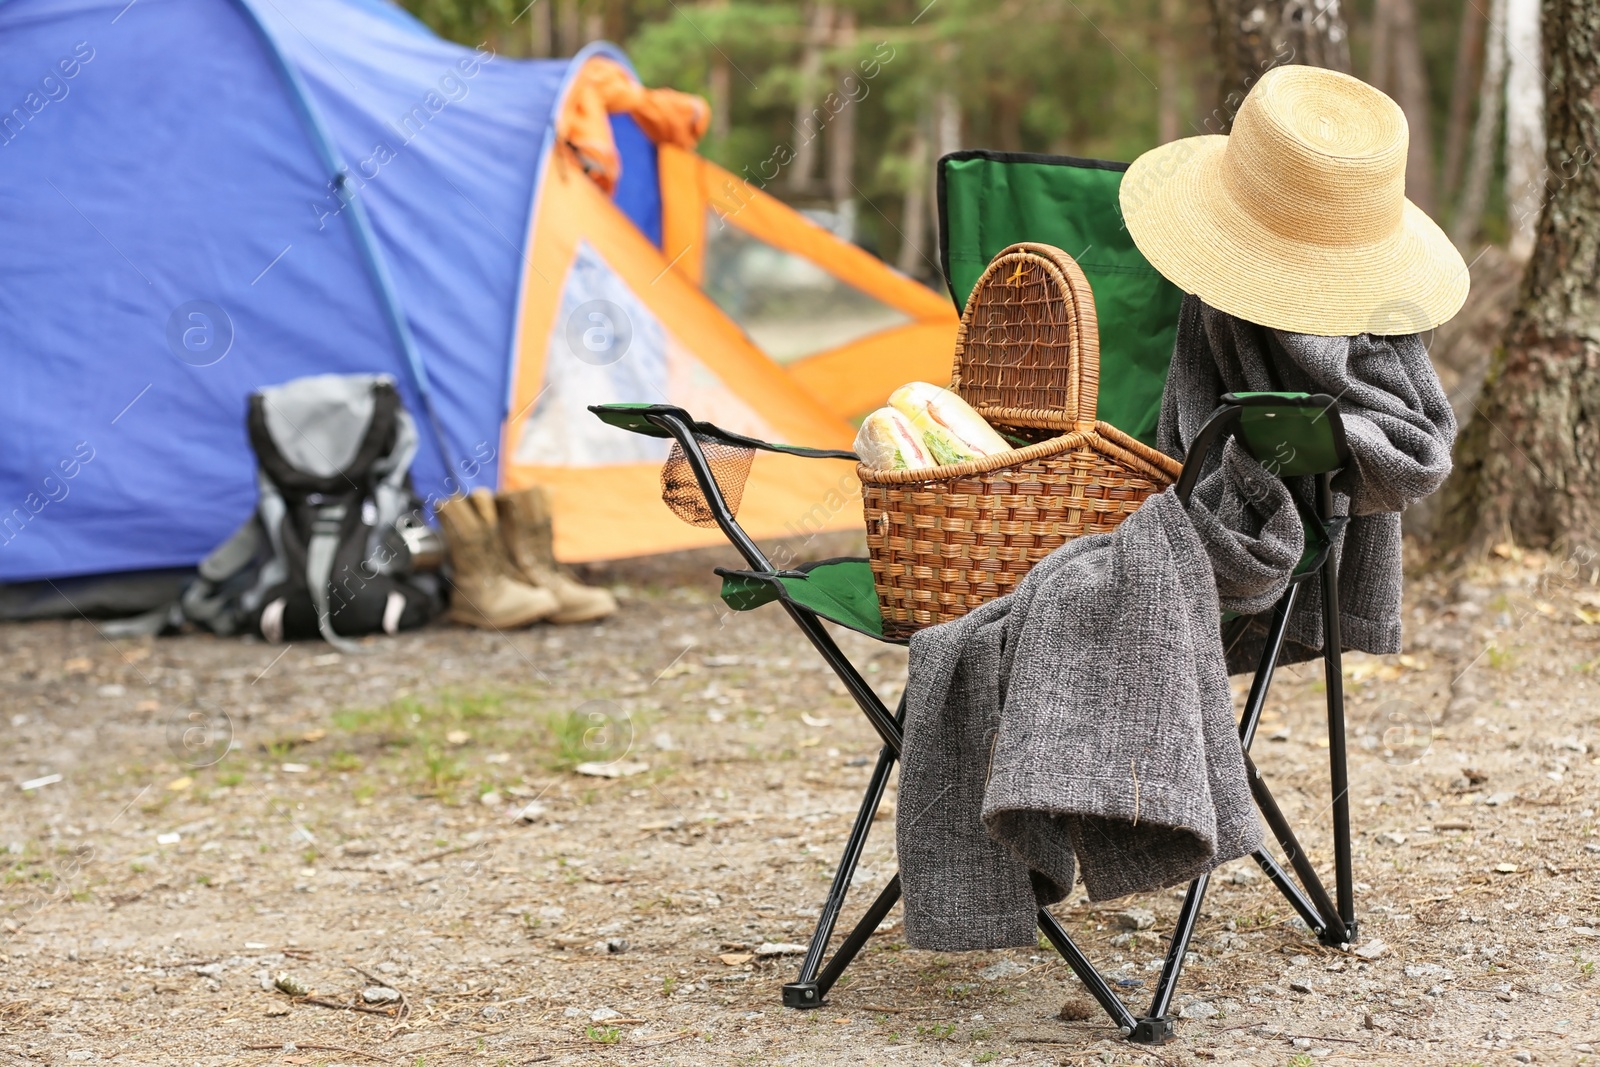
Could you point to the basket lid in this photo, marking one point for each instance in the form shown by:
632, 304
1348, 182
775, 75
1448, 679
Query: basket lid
1028, 347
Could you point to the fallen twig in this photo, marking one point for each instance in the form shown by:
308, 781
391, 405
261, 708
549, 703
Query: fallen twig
430, 857
320, 1048
321, 1003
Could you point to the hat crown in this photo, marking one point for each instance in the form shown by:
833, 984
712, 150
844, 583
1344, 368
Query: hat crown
1318, 156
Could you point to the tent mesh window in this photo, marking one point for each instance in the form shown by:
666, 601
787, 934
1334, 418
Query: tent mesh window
730, 466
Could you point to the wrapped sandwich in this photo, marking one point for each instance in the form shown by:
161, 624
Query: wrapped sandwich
950, 430
888, 442
925, 426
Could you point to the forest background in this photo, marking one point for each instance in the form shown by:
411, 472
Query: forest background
841, 107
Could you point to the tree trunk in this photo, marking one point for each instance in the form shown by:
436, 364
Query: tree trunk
946, 108
803, 170
1411, 92
914, 214
569, 27
1168, 119
1464, 228
1253, 36
947, 135
841, 112
1528, 463
541, 34
1378, 63
1525, 145
719, 86
1469, 62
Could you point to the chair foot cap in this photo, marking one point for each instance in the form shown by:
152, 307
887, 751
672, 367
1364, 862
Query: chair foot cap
802, 995
1150, 1031
1338, 936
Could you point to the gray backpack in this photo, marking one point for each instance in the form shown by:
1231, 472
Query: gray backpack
337, 546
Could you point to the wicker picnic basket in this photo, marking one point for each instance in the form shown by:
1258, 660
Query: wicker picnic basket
945, 539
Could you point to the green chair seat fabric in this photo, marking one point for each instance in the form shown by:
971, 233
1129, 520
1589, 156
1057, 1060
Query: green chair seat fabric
988, 200
842, 590
839, 590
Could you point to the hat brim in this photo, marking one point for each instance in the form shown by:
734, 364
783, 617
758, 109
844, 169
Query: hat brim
1186, 224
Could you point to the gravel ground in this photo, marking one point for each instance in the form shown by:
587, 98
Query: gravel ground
230, 814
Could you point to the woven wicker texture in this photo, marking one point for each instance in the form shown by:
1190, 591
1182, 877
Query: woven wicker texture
1030, 311
730, 466
946, 539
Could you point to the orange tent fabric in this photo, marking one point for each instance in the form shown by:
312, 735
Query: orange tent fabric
852, 379
591, 274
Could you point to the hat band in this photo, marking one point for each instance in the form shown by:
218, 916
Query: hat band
1331, 205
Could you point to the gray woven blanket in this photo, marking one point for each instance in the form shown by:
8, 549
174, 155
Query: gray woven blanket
1400, 429
1086, 715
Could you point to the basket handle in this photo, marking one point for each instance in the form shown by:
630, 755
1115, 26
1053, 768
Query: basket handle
1081, 406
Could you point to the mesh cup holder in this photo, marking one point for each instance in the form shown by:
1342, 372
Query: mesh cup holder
730, 467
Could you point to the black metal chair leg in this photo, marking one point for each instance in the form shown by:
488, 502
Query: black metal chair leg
1338, 770
857, 938
803, 992
1295, 854
1291, 892
1271, 647
1087, 974
1181, 936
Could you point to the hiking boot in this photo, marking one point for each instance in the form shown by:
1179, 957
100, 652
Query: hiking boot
486, 591
525, 527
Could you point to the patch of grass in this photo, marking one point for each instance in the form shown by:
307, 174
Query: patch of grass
425, 743
605, 1035
441, 769
28, 872
231, 779
1499, 658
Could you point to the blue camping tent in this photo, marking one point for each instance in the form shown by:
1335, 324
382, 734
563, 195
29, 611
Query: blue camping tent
201, 197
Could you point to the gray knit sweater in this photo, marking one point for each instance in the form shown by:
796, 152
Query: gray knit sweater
1086, 715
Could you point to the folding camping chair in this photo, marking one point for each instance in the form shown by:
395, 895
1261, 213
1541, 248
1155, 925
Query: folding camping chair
987, 202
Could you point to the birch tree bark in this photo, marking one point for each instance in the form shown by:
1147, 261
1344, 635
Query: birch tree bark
1524, 125
841, 132
1528, 462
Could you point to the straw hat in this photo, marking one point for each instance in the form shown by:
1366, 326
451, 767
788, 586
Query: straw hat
1299, 220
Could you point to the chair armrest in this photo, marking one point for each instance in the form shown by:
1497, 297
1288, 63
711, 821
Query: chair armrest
652, 421
1291, 434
